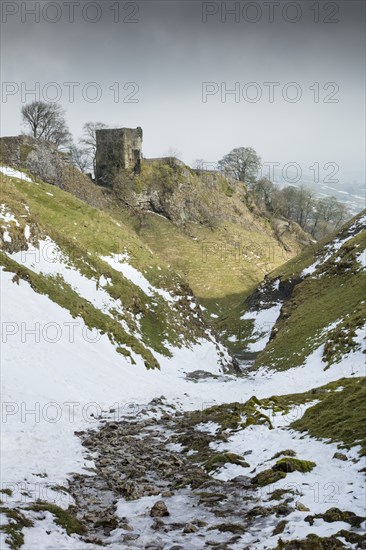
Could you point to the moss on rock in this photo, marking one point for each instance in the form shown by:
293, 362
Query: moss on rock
268, 477
335, 514
287, 452
217, 460
290, 464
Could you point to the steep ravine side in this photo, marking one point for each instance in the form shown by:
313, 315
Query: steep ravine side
185, 455
304, 303
65, 248
205, 226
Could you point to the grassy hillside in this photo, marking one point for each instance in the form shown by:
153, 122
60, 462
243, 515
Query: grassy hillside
326, 306
345, 423
257, 457
208, 229
213, 260
205, 226
81, 238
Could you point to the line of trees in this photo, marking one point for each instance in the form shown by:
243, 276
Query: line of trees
316, 216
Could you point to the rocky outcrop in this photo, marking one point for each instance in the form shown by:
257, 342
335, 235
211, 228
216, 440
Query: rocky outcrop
44, 161
168, 187
270, 291
165, 186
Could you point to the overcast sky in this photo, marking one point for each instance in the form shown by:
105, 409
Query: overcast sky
150, 62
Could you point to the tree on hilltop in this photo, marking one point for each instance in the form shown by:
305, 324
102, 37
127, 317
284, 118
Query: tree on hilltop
47, 121
242, 163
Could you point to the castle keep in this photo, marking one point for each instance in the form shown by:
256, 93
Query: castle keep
117, 150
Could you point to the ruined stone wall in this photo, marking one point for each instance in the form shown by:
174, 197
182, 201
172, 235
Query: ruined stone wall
117, 150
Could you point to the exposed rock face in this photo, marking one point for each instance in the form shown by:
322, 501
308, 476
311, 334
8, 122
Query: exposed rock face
268, 294
40, 158
165, 186
44, 161
168, 187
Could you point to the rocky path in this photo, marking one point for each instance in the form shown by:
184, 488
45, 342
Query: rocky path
152, 487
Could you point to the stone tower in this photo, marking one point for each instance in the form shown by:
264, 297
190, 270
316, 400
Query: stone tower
117, 150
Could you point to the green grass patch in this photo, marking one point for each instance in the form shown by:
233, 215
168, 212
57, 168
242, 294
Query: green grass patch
62, 294
340, 416
341, 340
334, 293
315, 304
84, 234
13, 529
220, 263
64, 518
232, 416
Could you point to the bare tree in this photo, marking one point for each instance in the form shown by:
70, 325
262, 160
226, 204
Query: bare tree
328, 214
242, 163
47, 121
89, 139
81, 158
305, 204
34, 115
263, 190
172, 152
199, 164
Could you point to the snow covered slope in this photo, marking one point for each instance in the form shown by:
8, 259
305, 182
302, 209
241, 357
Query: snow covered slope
97, 334
89, 319
312, 306
100, 271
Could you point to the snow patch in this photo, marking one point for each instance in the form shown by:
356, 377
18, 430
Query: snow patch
12, 173
7, 216
264, 320
332, 483
208, 427
133, 275
361, 258
6, 237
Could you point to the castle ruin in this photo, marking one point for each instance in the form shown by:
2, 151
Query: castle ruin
117, 150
